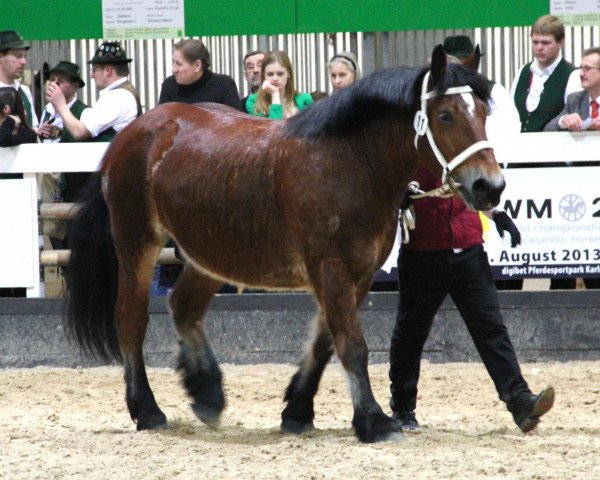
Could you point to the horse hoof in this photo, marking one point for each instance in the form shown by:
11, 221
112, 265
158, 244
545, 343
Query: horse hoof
393, 437
157, 422
295, 427
208, 415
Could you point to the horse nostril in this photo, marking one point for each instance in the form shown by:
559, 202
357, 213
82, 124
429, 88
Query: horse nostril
487, 192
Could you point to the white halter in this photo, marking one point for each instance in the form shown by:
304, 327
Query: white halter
421, 125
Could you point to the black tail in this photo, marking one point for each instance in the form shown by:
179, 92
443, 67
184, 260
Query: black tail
92, 276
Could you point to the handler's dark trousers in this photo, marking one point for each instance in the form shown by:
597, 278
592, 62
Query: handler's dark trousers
424, 280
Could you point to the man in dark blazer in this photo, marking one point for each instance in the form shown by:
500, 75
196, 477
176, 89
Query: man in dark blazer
581, 111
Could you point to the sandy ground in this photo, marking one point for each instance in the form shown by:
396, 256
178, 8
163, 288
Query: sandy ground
61, 423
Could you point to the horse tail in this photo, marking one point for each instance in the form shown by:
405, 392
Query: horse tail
92, 276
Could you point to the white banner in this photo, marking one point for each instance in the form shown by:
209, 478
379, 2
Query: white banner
557, 211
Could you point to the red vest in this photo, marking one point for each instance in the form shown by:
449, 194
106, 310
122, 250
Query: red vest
442, 223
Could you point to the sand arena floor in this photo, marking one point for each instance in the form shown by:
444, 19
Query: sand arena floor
64, 423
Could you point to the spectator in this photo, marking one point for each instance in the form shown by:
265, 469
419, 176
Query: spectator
13, 58
540, 88
13, 129
318, 95
193, 82
58, 187
67, 77
277, 97
343, 70
581, 107
252, 67
118, 104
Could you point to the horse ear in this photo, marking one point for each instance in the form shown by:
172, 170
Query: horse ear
472, 61
439, 63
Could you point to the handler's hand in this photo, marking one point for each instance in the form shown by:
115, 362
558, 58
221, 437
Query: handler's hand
505, 224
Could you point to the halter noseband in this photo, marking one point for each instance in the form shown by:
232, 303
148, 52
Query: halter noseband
421, 125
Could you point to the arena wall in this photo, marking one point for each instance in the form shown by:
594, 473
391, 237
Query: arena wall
273, 328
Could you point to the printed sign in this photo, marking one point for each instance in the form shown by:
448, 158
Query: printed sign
142, 19
576, 12
557, 211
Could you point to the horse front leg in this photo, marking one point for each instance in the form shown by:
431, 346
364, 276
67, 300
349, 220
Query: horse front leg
132, 321
340, 298
199, 369
299, 413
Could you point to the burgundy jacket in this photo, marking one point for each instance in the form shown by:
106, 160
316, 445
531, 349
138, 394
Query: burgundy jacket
442, 223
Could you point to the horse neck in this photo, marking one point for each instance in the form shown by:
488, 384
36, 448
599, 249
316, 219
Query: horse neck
390, 153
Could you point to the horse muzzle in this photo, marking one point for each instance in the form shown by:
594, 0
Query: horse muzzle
483, 193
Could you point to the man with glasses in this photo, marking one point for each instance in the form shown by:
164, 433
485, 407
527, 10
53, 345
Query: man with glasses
252, 66
118, 104
581, 111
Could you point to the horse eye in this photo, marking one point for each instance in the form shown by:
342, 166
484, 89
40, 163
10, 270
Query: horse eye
446, 116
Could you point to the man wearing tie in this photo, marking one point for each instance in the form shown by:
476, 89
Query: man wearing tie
581, 110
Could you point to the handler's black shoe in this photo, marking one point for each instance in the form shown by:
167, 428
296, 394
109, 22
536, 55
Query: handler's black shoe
527, 408
407, 420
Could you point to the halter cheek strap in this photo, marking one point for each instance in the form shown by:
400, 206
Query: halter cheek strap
421, 124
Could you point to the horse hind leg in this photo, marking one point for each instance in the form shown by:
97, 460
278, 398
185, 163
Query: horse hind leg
299, 413
135, 276
199, 369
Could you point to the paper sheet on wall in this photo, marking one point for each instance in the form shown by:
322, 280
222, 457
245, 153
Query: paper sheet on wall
142, 19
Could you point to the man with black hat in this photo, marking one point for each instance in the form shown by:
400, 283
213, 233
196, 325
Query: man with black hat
118, 103
67, 77
13, 58
65, 186
503, 118
444, 256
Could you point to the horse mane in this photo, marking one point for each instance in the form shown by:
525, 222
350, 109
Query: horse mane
390, 91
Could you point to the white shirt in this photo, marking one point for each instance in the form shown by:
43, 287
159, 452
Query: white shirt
116, 108
538, 78
503, 121
25, 89
48, 113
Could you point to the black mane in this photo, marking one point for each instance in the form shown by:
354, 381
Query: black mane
384, 92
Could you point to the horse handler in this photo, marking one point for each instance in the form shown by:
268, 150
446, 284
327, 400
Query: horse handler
444, 255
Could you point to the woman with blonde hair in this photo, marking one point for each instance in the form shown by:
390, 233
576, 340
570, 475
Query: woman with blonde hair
277, 97
343, 70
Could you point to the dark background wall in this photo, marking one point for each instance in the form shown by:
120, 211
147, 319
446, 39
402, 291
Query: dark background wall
255, 328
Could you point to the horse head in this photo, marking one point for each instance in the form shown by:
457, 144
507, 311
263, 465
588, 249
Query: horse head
454, 106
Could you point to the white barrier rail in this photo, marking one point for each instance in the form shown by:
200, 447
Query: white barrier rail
19, 239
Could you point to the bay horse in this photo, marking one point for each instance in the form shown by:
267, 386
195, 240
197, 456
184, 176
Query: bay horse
309, 203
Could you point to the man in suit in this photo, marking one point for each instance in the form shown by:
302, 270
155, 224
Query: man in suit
581, 110
582, 105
